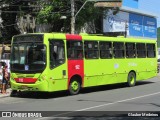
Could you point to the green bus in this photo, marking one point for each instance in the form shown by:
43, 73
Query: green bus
49, 62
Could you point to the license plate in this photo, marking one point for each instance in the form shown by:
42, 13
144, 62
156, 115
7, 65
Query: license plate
24, 87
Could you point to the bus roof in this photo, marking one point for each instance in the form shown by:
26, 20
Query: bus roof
92, 37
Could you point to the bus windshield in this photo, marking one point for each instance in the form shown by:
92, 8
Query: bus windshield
28, 57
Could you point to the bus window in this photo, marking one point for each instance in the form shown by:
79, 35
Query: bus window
15, 56
105, 50
22, 55
91, 49
151, 50
57, 56
74, 49
130, 50
118, 49
141, 50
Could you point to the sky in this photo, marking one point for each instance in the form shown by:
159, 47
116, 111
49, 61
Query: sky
152, 6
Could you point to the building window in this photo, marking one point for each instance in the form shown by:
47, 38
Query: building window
151, 50
130, 50
91, 50
141, 50
74, 49
105, 50
118, 49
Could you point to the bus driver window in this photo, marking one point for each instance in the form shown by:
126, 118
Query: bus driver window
57, 56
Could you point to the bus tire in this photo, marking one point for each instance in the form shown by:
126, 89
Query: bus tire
74, 87
131, 79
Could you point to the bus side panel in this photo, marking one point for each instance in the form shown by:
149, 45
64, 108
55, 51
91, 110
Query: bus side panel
116, 70
91, 72
147, 68
111, 71
102, 73
57, 78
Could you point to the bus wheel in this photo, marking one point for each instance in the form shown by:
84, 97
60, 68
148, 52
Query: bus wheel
131, 79
74, 87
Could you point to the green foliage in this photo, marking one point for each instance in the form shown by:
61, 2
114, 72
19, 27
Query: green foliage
9, 22
51, 13
89, 13
48, 12
53, 10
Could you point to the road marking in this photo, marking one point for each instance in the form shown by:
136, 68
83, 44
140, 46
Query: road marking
119, 101
102, 105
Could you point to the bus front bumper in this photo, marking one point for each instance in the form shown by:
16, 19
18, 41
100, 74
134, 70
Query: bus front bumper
39, 87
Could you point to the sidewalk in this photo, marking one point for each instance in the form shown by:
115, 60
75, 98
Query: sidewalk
6, 95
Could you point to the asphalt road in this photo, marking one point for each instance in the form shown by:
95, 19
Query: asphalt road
104, 102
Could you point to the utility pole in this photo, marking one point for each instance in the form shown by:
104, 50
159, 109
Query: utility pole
72, 17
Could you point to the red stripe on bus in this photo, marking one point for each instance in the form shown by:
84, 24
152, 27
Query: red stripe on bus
75, 67
25, 80
73, 37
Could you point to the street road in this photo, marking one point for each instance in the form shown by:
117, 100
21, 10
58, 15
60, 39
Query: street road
97, 101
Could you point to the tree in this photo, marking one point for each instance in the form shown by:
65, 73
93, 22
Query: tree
11, 9
48, 12
52, 10
8, 15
